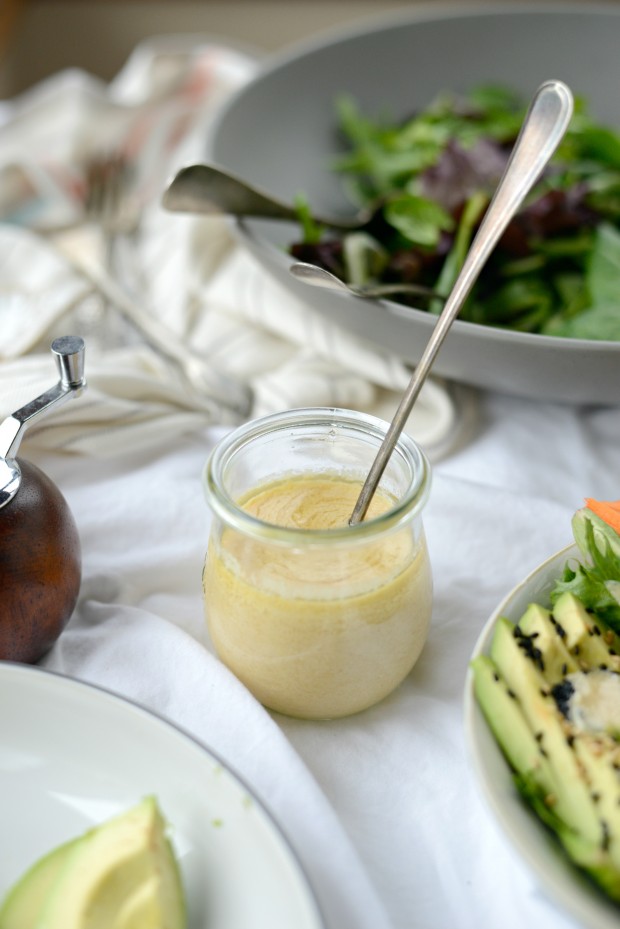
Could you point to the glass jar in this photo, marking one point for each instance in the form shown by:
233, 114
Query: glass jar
319, 619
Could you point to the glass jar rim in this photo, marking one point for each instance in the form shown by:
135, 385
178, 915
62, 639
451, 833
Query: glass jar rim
223, 505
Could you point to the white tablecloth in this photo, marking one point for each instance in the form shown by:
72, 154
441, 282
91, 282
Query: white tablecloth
383, 803
382, 808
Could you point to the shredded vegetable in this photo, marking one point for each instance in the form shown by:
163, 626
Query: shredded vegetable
608, 511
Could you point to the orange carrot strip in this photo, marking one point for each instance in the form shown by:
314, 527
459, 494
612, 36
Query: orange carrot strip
608, 511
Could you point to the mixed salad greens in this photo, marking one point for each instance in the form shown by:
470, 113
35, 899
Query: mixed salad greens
596, 582
556, 269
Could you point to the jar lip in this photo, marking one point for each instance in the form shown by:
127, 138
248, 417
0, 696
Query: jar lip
411, 503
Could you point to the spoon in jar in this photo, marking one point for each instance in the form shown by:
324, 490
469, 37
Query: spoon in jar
205, 188
544, 126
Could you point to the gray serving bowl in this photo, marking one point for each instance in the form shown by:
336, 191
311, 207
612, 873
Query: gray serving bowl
279, 132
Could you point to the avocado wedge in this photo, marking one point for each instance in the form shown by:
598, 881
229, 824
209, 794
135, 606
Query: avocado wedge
120, 875
546, 643
589, 641
591, 858
22, 905
573, 802
509, 725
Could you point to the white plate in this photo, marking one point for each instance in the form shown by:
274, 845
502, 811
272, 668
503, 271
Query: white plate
538, 848
279, 132
72, 755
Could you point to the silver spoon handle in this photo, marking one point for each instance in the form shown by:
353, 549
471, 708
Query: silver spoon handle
543, 128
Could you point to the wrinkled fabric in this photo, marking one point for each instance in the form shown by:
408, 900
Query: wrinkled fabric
186, 271
383, 808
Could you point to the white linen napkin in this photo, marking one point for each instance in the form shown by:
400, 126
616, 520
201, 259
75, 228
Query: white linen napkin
193, 276
138, 625
139, 630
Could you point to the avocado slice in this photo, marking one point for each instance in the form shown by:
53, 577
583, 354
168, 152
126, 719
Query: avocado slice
569, 635
543, 641
505, 717
22, 905
120, 875
573, 801
576, 788
592, 858
589, 640
127, 855
596, 755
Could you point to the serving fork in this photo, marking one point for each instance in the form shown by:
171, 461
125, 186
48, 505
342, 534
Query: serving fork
111, 204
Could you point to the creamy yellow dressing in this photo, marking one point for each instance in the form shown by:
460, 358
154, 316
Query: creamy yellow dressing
317, 631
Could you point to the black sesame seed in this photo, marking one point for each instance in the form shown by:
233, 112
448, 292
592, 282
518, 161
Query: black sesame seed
606, 836
562, 694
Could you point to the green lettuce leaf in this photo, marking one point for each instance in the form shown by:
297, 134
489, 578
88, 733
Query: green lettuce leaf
596, 582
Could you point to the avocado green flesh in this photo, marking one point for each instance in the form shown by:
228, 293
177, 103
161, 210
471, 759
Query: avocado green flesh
579, 626
120, 875
509, 725
555, 657
573, 802
139, 909
590, 857
22, 905
605, 786
570, 777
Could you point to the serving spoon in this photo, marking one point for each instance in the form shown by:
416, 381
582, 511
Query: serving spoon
544, 125
321, 277
207, 188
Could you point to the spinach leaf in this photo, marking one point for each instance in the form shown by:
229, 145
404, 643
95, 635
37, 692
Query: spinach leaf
417, 219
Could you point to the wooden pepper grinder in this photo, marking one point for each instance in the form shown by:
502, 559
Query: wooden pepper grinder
40, 555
